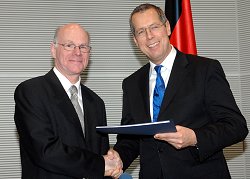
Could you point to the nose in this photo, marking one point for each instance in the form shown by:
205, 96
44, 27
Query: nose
149, 34
77, 50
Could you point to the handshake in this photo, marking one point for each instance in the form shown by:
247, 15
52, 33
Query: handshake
113, 164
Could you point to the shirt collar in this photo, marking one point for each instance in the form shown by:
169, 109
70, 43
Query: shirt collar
65, 82
167, 63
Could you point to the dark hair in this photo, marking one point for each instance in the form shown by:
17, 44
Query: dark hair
144, 7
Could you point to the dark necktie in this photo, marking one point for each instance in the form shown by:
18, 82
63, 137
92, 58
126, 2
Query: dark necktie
74, 100
158, 93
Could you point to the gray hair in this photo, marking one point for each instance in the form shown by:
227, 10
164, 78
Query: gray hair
55, 40
143, 8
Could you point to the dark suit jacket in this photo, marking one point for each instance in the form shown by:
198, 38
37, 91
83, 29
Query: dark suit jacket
52, 144
197, 96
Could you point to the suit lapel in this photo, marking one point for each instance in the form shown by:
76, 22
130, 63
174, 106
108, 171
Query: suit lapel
89, 117
144, 88
62, 100
86, 111
178, 73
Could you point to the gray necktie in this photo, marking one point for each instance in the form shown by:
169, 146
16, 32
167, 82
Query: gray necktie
74, 100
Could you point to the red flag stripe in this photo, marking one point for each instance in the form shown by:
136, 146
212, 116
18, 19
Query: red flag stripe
183, 37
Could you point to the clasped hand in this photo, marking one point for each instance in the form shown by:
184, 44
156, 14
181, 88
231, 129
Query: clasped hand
113, 164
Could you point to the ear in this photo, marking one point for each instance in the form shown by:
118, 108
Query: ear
135, 40
167, 25
53, 50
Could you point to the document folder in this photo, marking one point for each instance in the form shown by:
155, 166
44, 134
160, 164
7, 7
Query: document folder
151, 128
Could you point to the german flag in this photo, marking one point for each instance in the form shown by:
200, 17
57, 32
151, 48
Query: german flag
179, 15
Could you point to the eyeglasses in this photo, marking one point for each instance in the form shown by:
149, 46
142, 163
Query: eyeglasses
152, 28
71, 47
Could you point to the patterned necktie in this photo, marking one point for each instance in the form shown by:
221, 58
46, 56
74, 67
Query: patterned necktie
74, 100
158, 93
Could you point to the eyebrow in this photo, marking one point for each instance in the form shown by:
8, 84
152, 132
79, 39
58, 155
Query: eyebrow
83, 43
149, 25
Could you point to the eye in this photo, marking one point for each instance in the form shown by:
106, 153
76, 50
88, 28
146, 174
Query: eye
70, 45
83, 47
154, 27
140, 32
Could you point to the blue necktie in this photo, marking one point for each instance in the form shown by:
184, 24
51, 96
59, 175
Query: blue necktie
158, 93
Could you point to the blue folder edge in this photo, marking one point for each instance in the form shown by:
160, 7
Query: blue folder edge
151, 128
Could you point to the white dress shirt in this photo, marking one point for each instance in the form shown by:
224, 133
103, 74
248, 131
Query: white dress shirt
167, 65
67, 84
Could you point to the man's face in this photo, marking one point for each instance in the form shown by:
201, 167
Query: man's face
70, 63
151, 36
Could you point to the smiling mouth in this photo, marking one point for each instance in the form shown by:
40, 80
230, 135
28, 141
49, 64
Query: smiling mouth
153, 45
76, 60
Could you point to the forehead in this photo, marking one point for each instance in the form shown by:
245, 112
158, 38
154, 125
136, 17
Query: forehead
145, 18
73, 33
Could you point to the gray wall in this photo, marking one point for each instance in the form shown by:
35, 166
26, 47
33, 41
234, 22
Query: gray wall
27, 27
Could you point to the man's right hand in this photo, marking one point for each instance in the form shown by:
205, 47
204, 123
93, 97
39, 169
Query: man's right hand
113, 164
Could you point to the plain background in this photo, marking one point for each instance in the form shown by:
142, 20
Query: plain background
27, 28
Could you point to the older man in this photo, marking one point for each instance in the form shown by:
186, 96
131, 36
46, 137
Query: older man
56, 117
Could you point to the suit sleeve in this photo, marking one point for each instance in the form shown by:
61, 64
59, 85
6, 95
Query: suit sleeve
127, 145
40, 141
227, 126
